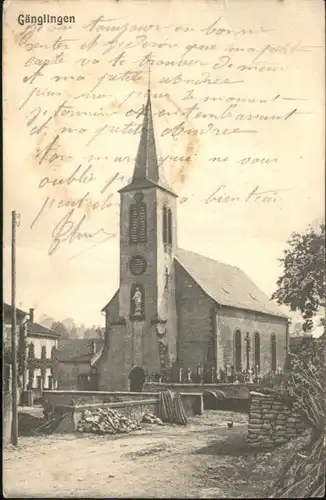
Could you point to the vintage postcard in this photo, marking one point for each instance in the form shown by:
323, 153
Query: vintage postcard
164, 248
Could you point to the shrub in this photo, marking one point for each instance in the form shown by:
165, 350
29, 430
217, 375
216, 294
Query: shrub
303, 475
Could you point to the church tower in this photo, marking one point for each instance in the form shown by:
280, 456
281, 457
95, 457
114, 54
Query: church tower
148, 236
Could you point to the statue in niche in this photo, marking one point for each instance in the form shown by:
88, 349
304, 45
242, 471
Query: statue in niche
137, 302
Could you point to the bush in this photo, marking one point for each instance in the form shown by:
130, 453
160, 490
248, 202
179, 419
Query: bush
303, 475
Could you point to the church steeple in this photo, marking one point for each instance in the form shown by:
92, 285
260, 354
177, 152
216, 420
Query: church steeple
146, 166
147, 171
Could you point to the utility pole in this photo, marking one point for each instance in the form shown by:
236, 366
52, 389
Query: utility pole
14, 423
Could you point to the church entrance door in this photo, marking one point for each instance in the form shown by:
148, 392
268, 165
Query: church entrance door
137, 379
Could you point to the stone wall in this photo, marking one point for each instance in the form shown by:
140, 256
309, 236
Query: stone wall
272, 421
134, 410
230, 391
193, 402
58, 397
231, 319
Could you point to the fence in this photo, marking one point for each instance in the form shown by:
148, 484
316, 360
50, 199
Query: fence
208, 374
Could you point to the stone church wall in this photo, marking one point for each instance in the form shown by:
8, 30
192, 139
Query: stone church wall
272, 422
194, 320
230, 319
111, 366
195, 329
112, 310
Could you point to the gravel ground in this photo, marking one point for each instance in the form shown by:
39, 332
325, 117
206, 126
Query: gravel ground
203, 460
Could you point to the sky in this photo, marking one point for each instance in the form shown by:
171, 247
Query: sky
249, 65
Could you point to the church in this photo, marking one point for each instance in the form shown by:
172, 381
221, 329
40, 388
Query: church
175, 308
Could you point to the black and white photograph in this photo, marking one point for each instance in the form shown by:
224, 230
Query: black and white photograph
163, 249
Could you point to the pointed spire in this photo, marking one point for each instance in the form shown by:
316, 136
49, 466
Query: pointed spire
147, 167
146, 160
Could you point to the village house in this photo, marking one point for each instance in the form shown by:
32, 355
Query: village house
76, 359
175, 308
36, 351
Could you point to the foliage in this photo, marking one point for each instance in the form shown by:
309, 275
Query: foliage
67, 329
7, 354
94, 332
30, 361
302, 284
61, 329
54, 363
43, 363
303, 475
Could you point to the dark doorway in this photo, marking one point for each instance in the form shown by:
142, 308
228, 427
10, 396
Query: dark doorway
137, 379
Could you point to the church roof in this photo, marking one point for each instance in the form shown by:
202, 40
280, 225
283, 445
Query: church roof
227, 285
147, 172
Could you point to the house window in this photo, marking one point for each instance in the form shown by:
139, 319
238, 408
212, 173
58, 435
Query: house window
257, 350
39, 382
167, 226
138, 221
273, 351
50, 382
238, 351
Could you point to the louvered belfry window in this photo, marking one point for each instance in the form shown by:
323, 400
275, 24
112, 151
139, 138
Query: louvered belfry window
138, 222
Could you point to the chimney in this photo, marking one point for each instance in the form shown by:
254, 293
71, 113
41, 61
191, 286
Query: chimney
31, 315
93, 346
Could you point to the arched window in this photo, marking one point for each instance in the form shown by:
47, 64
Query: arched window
43, 352
238, 351
257, 350
138, 220
169, 226
273, 351
165, 225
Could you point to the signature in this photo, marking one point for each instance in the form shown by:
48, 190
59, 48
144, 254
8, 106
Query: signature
69, 231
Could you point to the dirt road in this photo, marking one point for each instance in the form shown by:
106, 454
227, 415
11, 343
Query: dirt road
203, 460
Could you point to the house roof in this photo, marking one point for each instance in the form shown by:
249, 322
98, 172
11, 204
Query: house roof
79, 350
227, 285
38, 330
7, 309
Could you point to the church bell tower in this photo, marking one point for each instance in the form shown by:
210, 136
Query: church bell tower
148, 235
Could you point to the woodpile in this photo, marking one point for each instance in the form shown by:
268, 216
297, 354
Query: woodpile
271, 422
105, 421
149, 418
171, 408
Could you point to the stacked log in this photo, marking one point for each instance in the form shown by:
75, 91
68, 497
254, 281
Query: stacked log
271, 422
105, 421
171, 408
149, 418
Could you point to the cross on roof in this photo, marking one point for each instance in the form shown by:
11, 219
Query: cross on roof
150, 62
